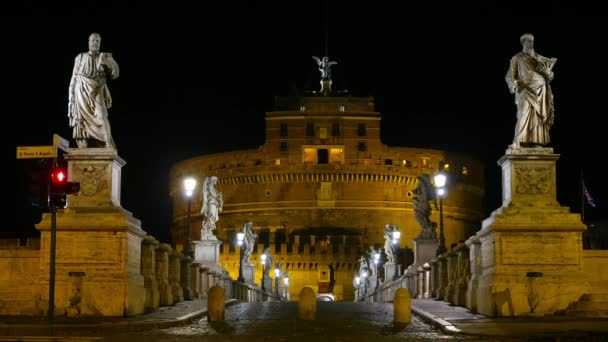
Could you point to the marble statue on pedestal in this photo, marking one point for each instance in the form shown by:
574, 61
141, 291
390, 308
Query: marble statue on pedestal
89, 97
269, 263
389, 247
249, 243
423, 194
212, 206
528, 78
324, 66
372, 265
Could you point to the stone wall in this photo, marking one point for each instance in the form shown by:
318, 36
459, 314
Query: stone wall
595, 266
19, 267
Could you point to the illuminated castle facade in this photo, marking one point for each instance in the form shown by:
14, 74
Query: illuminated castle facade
321, 189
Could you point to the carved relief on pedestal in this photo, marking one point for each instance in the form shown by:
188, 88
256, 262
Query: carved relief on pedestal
92, 179
533, 180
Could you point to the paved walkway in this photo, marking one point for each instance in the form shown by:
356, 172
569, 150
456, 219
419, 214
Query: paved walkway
458, 320
182, 313
186, 319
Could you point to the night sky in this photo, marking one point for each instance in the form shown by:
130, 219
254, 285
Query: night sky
198, 80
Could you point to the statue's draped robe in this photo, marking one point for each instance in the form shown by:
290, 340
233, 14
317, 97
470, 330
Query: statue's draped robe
91, 98
534, 100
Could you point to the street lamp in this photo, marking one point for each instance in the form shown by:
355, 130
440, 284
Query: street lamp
263, 257
277, 275
376, 263
440, 181
357, 285
396, 236
189, 185
286, 283
239, 241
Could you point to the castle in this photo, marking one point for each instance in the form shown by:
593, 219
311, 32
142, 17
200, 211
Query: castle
321, 189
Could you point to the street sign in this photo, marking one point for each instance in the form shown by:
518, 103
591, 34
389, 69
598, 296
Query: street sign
30, 152
61, 143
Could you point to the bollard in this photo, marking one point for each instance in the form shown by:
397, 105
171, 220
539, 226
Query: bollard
215, 304
307, 304
402, 306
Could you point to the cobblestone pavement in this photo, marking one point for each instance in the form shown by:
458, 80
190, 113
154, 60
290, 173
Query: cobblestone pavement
271, 321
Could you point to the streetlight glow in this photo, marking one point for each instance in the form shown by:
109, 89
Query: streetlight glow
277, 272
441, 192
357, 280
189, 185
263, 256
286, 281
239, 238
440, 180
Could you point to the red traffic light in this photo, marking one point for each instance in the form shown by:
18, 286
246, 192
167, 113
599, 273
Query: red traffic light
59, 176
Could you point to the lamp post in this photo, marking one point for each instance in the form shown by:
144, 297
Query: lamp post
357, 285
376, 263
239, 241
440, 181
189, 185
263, 257
277, 275
286, 283
396, 236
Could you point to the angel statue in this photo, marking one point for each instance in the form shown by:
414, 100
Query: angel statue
212, 206
324, 67
389, 247
249, 242
269, 263
423, 194
372, 265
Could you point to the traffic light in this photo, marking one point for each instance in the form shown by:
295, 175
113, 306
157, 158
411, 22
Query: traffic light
60, 187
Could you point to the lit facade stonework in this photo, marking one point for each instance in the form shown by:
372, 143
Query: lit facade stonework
322, 188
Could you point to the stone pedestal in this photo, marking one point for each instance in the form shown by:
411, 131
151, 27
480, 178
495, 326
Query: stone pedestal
162, 274
531, 232
95, 237
268, 284
424, 251
207, 251
148, 268
389, 271
248, 273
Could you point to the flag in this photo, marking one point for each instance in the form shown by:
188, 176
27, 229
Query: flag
588, 196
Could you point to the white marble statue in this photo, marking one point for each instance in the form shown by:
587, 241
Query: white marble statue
89, 97
248, 242
269, 263
389, 246
370, 260
212, 206
424, 193
528, 78
324, 67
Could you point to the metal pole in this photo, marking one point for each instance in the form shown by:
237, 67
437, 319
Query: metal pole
396, 275
188, 243
441, 249
263, 274
51, 311
241, 278
52, 264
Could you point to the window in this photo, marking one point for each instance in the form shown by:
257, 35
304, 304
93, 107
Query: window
362, 146
425, 162
407, 163
342, 108
322, 156
361, 130
335, 130
310, 129
310, 156
388, 162
277, 162
323, 133
283, 130
335, 156
465, 171
283, 147
302, 108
